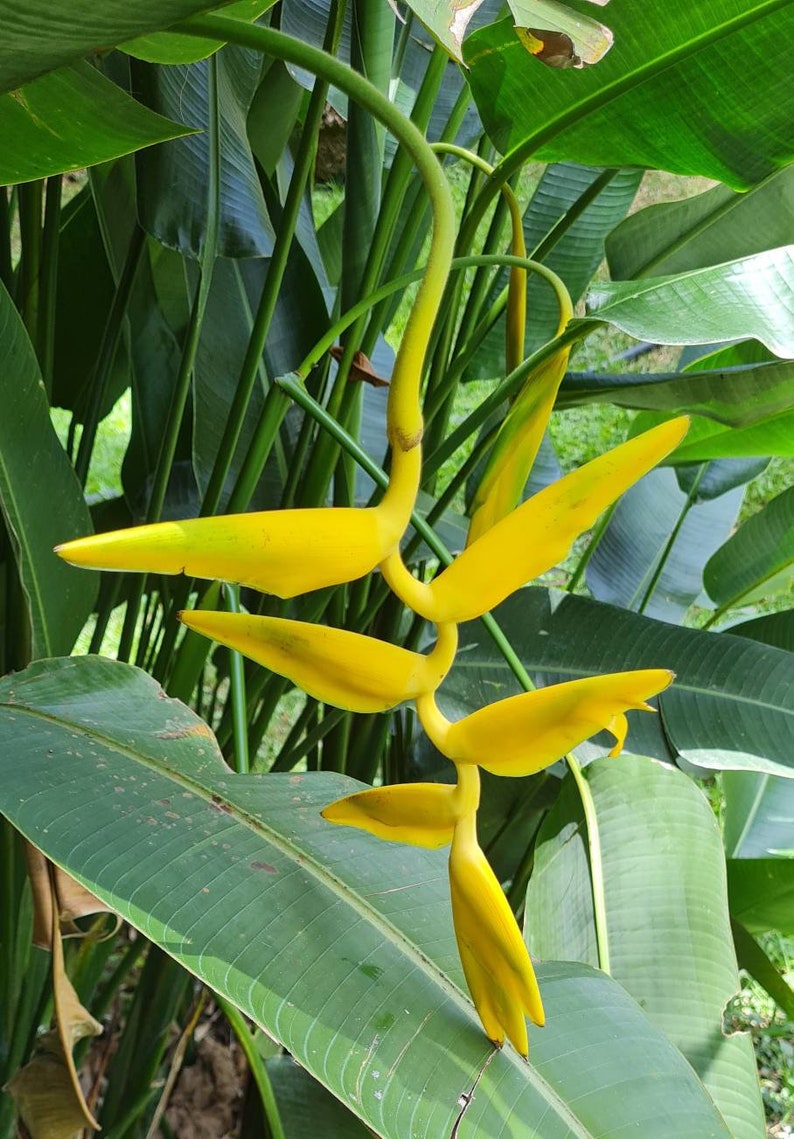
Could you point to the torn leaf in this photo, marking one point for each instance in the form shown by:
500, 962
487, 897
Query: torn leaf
559, 36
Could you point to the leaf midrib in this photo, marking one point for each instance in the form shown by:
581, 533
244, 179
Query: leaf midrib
326, 877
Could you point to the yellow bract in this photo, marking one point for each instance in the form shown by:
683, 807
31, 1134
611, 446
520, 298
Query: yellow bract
524, 734
420, 814
348, 670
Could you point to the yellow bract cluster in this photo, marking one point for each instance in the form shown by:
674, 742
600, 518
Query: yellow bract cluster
294, 551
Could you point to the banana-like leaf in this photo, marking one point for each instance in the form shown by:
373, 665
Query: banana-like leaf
645, 102
340, 946
773, 629
773, 435
734, 301
758, 560
39, 35
668, 936
761, 893
170, 47
720, 225
735, 396
70, 119
759, 815
40, 497
729, 708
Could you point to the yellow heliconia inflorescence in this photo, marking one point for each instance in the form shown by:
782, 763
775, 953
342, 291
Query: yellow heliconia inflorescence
295, 551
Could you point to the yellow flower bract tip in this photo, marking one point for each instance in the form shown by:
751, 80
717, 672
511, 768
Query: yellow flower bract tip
420, 814
348, 670
284, 552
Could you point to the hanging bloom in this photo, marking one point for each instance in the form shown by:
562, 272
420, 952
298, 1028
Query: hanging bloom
420, 814
348, 670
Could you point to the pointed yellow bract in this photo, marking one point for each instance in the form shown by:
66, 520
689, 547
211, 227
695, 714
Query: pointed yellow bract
516, 447
348, 670
284, 552
495, 960
420, 814
524, 734
540, 532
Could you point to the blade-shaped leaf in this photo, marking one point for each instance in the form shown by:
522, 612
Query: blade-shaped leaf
758, 560
746, 298
337, 944
671, 64
717, 226
709, 440
72, 118
662, 870
39, 495
774, 629
736, 397
761, 893
170, 47
730, 706
172, 180
39, 35
759, 815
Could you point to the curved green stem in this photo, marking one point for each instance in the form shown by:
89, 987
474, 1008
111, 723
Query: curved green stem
255, 1063
596, 862
237, 681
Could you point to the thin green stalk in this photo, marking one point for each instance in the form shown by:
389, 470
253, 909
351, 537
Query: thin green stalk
111, 334
237, 682
6, 263
596, 862
668, 546
30, 204
256, 1065
264, 433
592, 545
48, 280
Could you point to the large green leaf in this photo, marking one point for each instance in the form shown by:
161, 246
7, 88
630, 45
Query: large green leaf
41, 500
730, 706
706, 439
173, 179
305, 1107
652, 553
759, 815
758, 560
72, 118
737, 300
736, 397
662, 870
761, 893
773, 629
652, 101
717, 226
340, 946
170, 47
39, 35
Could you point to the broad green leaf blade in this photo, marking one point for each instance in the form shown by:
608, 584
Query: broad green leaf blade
761, 893
170, 47
41, 500
750, 297
774, 629
306, 1108
754, 960
558, 35
335, 943
655, 529
735, 397
758, 560
668, 933
73, 118
708, 440
720, 225
759, 815
645, 102
172, 180
730, 706
39, 35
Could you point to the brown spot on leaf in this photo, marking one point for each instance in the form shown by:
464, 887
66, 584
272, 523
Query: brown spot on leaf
268, 869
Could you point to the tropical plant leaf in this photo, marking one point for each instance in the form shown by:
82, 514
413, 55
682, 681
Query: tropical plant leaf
734, 301
335, 943
754, 960
41, 499
170, 47
172, 180
70, 119
39, 36
656, 529
774, 629
720, 225
759, 815
306, 1108
729, 708
736, 397
758, 560
706, 439
671, 64
761, 893
662, 871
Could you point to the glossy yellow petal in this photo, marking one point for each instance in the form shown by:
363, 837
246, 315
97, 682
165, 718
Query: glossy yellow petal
495, 959
348, 670
285, 552
516, 447
535, 536
526, 733
421, 814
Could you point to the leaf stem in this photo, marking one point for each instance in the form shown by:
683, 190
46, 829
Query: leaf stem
256, 1065
596, 862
